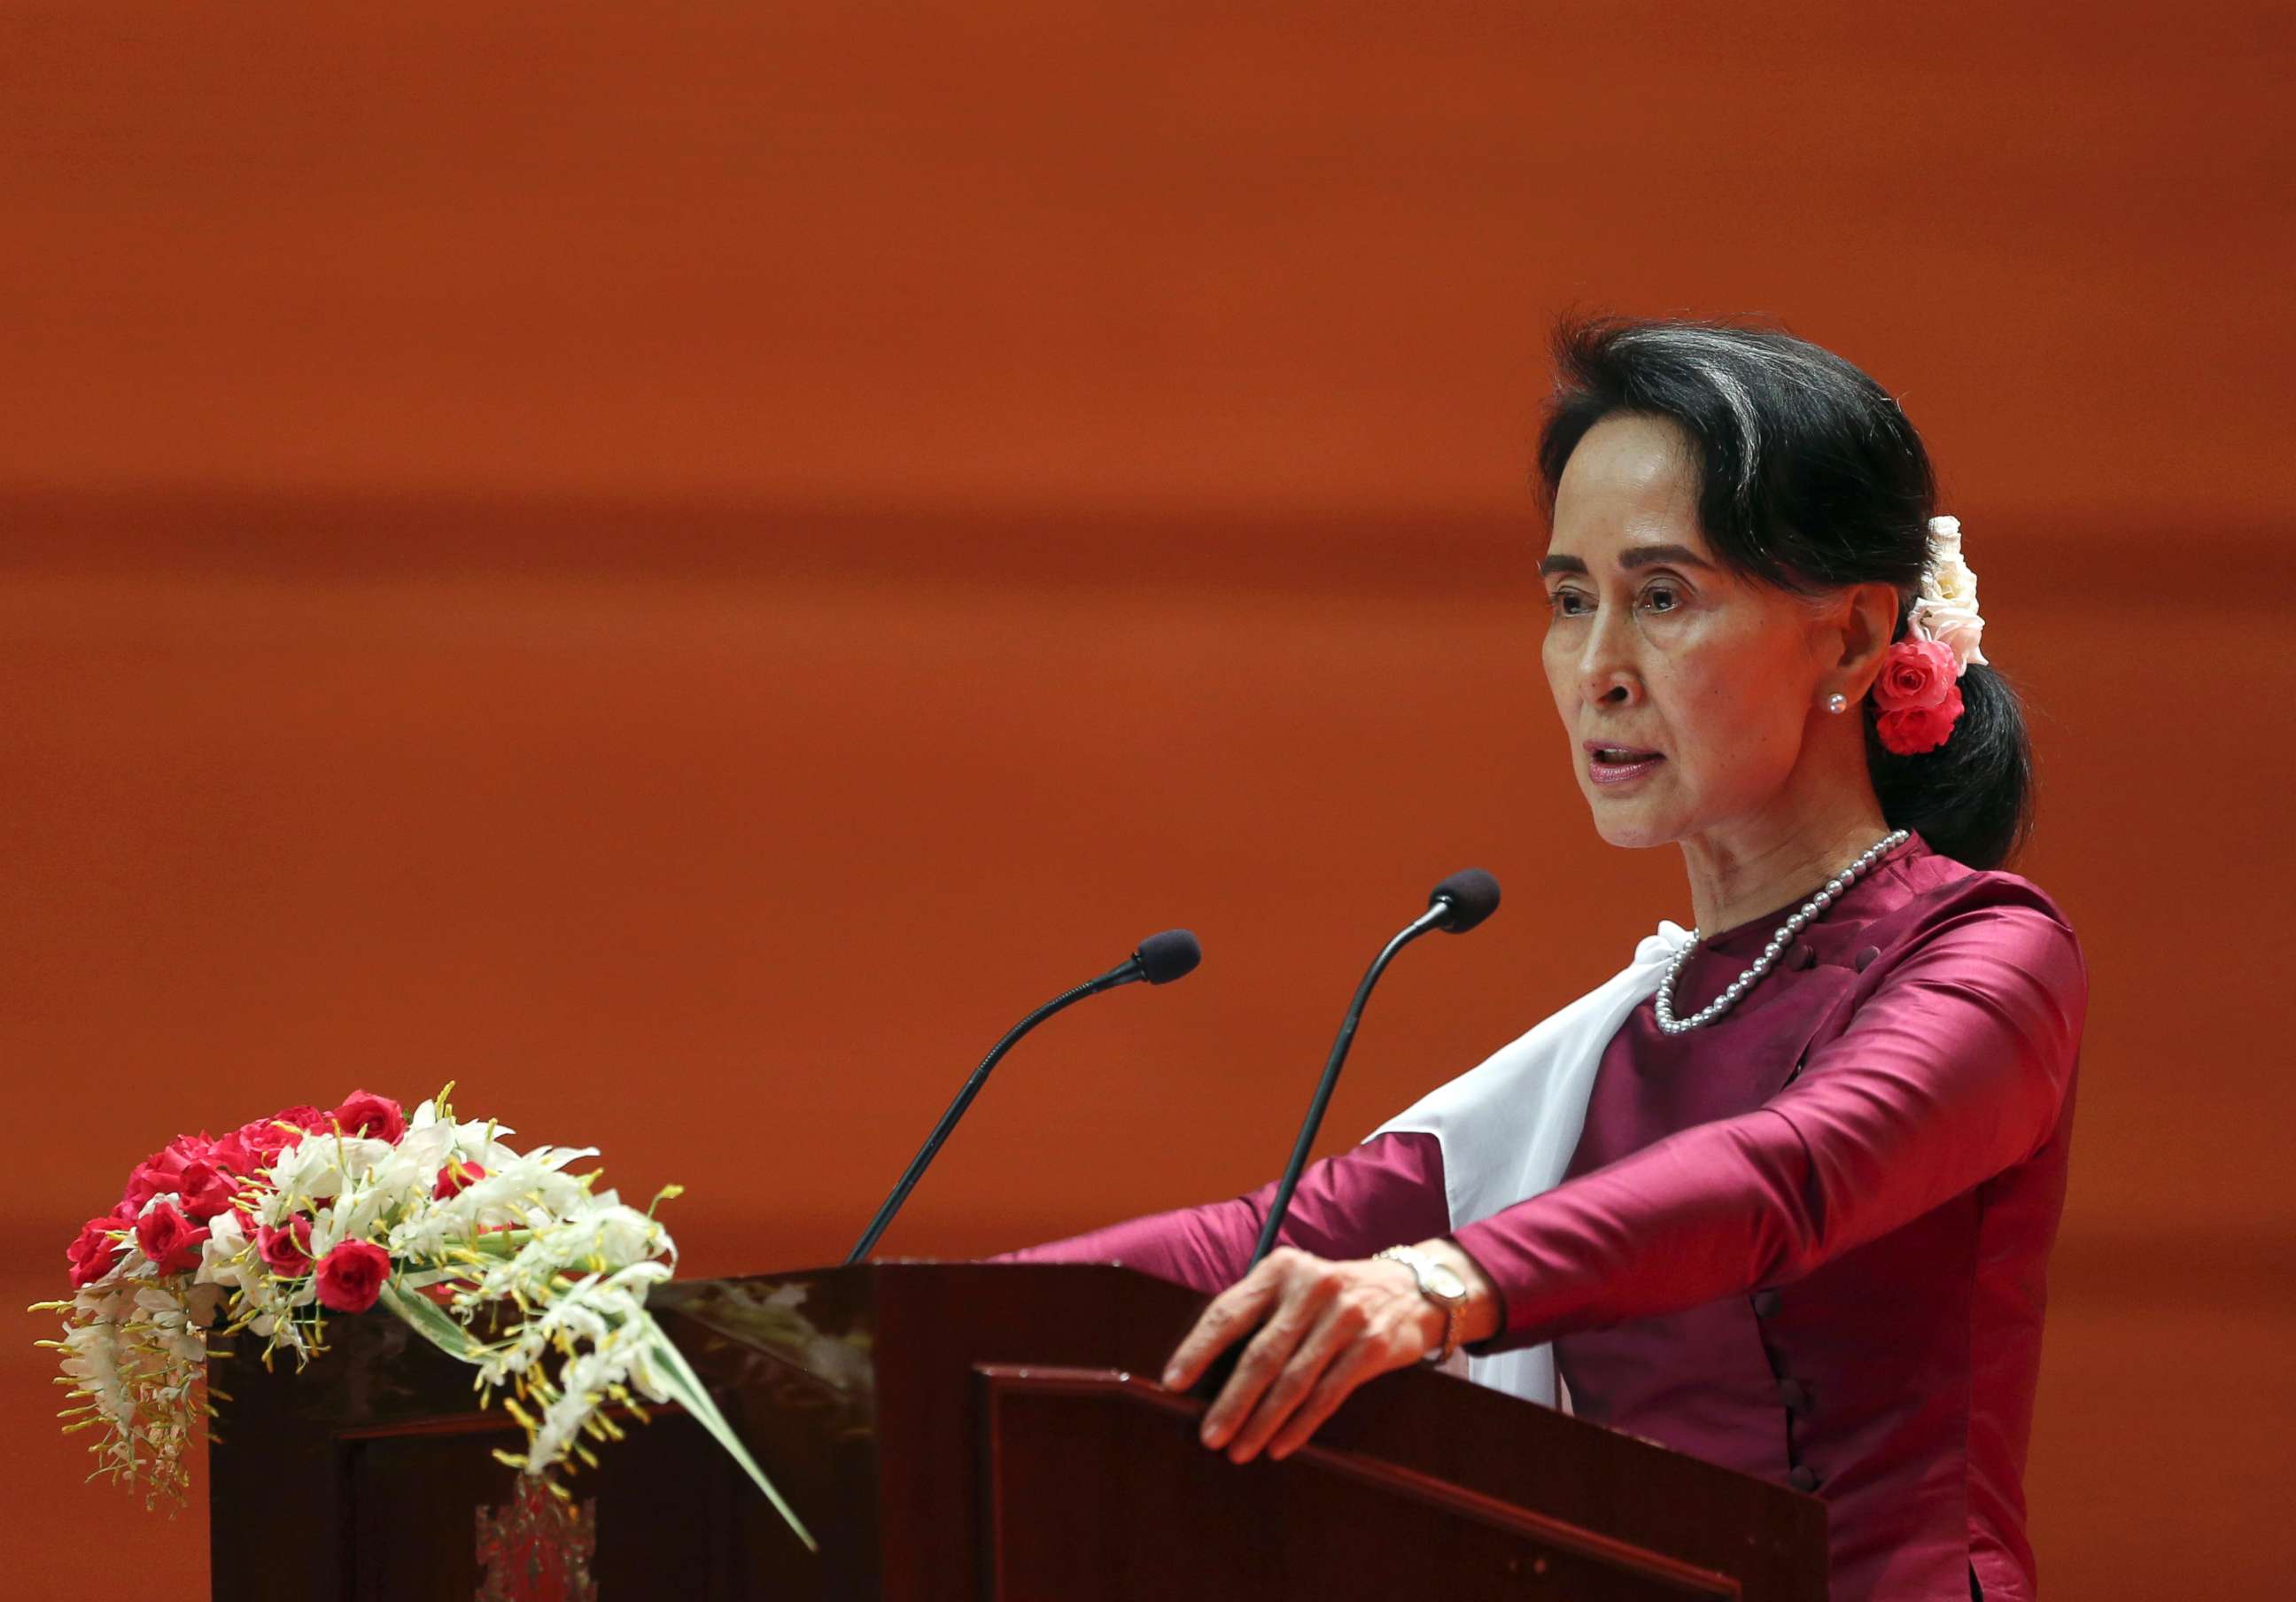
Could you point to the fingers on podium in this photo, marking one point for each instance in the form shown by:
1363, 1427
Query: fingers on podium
1231, 1312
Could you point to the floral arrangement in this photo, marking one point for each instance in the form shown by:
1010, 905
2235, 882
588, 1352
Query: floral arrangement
1916, 702
535, 1277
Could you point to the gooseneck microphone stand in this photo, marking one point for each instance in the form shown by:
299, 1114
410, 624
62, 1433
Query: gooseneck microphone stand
1457, 905
925, 1153
1159, 960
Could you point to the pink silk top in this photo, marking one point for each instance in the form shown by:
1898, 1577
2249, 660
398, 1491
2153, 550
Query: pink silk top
1807, 1241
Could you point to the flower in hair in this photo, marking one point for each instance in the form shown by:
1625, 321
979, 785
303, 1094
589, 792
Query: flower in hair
1915, 701
1945, 608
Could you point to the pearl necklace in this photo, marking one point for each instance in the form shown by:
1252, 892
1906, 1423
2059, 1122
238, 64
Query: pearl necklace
1808, 912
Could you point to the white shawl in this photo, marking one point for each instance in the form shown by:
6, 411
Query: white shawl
1508, 1127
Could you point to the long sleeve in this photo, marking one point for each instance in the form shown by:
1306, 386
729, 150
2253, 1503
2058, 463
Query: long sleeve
1386, 1192
1954, 1069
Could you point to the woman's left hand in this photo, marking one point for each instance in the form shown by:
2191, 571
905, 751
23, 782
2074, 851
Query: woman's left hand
1324, 1329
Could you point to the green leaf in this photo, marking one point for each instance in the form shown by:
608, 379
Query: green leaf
498, 1243
415, 1279
683, 1385
425, 1317
687, 1387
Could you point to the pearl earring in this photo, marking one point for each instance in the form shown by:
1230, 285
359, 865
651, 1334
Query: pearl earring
1837, 704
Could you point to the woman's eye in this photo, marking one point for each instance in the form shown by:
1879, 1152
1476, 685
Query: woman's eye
1567, 603
1662, 597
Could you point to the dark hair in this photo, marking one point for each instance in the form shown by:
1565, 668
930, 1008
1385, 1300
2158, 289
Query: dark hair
1810, 476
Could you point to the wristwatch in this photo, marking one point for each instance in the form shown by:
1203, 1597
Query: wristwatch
1441, 1284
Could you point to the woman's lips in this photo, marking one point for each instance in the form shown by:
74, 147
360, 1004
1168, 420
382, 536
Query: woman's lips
1619, 764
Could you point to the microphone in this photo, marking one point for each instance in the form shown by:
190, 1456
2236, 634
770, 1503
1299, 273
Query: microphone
1159, 960
1456, 905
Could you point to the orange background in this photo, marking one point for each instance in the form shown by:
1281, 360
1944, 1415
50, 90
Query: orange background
683, 566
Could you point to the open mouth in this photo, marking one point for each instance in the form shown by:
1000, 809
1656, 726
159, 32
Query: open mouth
1616, 764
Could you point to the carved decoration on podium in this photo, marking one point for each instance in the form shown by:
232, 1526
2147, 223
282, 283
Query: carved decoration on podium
538, 1548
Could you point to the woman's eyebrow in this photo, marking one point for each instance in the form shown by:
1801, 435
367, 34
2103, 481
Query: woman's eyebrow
1633, 556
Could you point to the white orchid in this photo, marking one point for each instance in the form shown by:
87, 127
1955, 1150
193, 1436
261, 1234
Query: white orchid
316, 1168
227, 1257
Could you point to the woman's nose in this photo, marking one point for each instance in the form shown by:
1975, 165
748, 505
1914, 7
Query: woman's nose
1606, 671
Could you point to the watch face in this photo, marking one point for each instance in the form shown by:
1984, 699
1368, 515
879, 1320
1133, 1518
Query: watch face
1445, 1283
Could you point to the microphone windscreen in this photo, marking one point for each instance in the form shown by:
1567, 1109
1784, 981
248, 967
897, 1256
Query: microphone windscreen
1171, 955
1473, 895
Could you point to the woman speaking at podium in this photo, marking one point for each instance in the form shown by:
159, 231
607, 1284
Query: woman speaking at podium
1782, 1193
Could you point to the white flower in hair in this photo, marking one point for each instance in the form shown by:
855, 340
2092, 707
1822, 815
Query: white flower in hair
1946, 608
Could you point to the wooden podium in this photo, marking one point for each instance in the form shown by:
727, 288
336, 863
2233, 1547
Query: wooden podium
964, 1431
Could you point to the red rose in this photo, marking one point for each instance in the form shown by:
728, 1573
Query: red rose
254, 1147
1913, 730
286, 1251
1916, 674
162, 1170
351, 1276
183, 1149
187, 1149
144, 1183
377, 1117
205, 1188
454, 1178
92, 1254
1915, 701
169, 1239
235, 1155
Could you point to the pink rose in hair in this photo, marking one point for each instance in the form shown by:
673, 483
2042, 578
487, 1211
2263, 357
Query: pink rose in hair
1915, 701
1916, 674
1918, 729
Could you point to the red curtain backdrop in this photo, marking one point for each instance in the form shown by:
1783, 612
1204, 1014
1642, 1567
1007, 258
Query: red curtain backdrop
681, 567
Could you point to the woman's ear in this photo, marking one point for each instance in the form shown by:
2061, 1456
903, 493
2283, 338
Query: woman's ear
1869, 620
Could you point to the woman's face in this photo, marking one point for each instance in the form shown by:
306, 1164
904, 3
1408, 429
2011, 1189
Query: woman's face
1687, 691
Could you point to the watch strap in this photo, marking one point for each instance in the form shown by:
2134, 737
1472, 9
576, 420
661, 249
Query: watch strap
1422, 1270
